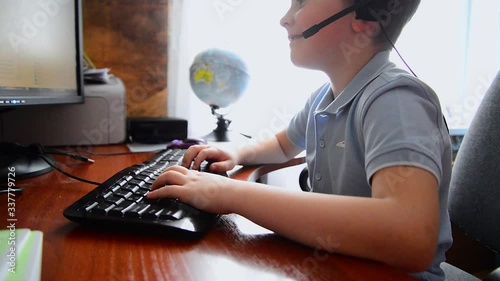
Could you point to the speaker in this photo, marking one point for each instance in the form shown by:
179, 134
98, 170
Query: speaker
156, 129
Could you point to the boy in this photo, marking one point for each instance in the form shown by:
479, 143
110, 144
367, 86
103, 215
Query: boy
377, 149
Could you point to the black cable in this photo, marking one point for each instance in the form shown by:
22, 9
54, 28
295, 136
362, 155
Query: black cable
112, 154
39, 150
67, 174
72, 155
401, 57
42, 150
394, 47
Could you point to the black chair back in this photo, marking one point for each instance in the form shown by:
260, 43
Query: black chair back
474, 201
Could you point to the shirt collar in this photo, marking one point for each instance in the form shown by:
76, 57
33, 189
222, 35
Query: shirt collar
369, 72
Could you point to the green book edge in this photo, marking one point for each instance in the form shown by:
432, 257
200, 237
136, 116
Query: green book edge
28, 255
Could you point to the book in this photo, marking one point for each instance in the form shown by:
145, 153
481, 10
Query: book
96, 75
21, 254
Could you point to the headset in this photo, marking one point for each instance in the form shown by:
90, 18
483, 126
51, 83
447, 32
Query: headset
365, 10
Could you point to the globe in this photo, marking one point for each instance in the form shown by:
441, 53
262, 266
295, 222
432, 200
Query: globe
218, 78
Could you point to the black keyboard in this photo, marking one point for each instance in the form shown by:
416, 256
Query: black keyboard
120, 202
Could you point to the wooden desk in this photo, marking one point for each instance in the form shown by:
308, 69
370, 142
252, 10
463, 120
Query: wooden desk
235, 249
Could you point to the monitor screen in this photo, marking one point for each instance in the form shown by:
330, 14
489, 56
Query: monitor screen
40, 52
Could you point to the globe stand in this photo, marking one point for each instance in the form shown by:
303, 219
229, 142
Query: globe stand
221, 133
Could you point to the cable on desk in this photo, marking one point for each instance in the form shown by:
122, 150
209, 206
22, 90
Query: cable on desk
38, 149
112, 154
63, 152
66, 173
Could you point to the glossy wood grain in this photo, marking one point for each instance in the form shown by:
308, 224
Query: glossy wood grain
130, 37
235, 249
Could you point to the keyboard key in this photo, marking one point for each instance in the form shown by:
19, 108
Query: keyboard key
135, 198
126, 204
114, 187
123, 193
90, 205
103, 208
136, 210
138, 171
131, 188
188, 209
106, 195
150, 171
167, 202
163, 203
175, 158
172, 214
144, 189
153, 212
122, 182
120, 209
142, 177
142, 192
137, 182
114, 199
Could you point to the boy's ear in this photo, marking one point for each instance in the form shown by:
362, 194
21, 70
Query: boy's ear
363, 25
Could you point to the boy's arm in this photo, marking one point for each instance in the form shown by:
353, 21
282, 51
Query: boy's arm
278, 149
397, 226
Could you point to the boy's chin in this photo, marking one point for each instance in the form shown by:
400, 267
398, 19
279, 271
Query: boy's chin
303, 63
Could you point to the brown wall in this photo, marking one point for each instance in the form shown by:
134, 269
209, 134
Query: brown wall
130, 38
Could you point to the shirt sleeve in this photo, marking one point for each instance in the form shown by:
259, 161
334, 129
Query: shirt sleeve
402, 125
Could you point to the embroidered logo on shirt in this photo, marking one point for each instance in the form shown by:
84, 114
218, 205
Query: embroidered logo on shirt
341, 144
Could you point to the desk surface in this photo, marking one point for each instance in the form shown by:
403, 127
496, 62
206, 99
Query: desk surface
235, 249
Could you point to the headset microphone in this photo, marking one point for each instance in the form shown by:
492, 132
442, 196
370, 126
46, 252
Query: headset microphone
315, 28
360, 6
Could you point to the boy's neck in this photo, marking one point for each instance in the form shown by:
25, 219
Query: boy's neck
341, 74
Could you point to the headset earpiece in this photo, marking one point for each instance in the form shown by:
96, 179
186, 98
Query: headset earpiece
363, 10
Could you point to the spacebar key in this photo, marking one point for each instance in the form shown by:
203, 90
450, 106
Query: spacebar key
172, 214
136, 210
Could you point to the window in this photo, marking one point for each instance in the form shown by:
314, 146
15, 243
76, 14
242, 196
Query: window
453, 45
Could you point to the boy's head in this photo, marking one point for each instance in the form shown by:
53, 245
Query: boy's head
392, 15
343, 30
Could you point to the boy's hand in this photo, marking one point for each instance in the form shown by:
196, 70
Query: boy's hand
222, 160
201, 190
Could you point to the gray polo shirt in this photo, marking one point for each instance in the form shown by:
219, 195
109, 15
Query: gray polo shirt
384, 117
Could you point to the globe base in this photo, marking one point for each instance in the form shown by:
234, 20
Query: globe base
222, 132
228, 136
218, 136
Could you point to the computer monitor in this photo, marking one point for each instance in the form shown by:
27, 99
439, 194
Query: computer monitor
40, 64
